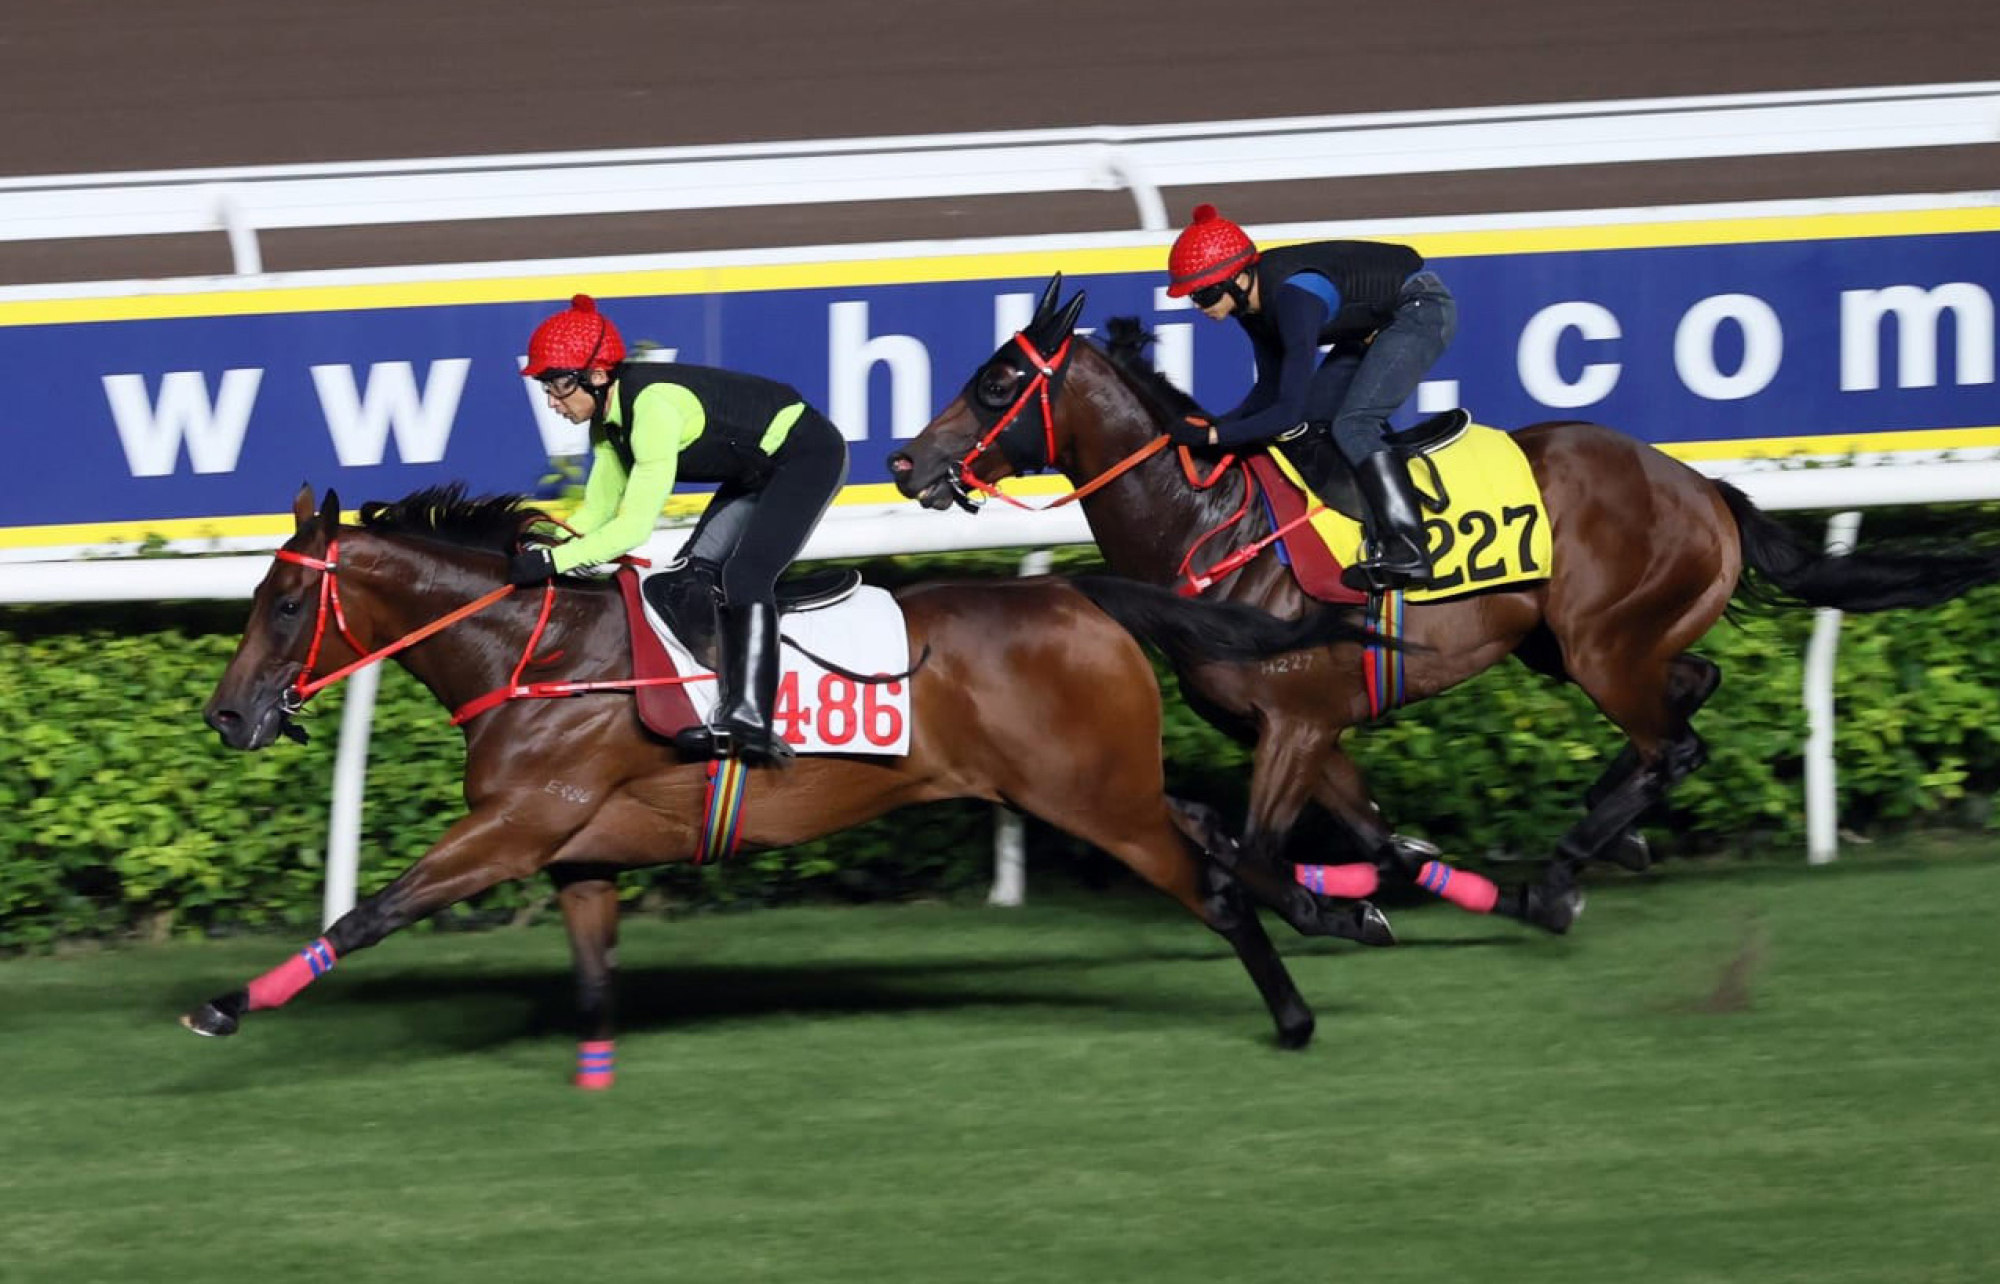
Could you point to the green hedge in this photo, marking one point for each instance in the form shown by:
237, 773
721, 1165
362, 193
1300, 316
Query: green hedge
120, 812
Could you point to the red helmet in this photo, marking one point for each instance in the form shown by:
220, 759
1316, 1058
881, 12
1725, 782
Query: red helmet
1212, 249
578, 339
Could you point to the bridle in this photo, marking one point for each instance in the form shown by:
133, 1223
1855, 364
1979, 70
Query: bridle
1044, 387
304, 686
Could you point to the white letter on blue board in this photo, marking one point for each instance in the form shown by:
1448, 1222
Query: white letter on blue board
152, 435
360, 424
1917, 311
851, 355
1535, 355
1694, 347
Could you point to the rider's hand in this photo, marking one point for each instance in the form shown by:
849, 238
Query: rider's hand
531, 566
1193, 431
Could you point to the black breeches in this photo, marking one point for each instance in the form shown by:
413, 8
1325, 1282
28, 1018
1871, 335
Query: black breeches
756, 532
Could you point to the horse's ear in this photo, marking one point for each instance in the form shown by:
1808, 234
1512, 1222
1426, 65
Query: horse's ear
329, 512
1065, 323
1046, 308
302, 507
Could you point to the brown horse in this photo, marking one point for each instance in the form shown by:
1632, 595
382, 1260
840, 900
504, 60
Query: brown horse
1647, 554
1030, 692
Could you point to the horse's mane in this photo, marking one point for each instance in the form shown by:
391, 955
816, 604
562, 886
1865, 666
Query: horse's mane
447, 513
1125, 343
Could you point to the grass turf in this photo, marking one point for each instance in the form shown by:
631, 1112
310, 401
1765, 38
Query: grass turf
1729, 1073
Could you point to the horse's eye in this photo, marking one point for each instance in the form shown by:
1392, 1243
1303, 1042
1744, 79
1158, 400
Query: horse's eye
996, 386
288, 606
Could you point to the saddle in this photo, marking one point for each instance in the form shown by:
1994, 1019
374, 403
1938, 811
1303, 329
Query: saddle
669, 707
688, 604
1310, 449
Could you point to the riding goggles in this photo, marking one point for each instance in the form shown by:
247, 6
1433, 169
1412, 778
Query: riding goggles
560, 383
1208, 295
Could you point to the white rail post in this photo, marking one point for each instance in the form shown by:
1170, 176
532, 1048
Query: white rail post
1010, 880
244, 252
350, 782
1124, 170
1822, 805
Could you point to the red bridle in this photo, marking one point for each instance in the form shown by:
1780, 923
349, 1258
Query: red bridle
305, 686
1046, 369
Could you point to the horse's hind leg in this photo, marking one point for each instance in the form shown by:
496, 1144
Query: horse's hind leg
1651, 701
1691, 680
589, 895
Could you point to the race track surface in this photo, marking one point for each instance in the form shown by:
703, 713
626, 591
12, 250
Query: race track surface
107, 85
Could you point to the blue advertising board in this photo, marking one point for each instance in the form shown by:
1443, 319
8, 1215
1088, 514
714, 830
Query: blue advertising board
198, 413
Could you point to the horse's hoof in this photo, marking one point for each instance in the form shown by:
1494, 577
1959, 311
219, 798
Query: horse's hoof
215, 1018
1360, 922
1296, 1035
1630, 850
1552, 912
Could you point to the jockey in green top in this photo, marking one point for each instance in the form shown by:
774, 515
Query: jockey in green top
778, 463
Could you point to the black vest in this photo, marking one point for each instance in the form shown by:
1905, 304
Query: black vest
1368, 274
738, 410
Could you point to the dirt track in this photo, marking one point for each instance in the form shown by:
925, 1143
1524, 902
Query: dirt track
100, 85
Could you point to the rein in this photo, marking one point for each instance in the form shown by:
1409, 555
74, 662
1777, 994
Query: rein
1194, 583
305, 686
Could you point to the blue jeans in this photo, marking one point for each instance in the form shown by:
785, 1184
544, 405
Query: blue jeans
1358, 388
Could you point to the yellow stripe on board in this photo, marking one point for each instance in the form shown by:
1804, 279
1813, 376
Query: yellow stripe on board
182, 530
836, 274
267, 525
1836, 445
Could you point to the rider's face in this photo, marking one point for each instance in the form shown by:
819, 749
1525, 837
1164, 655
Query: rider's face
573, 400
1215, 302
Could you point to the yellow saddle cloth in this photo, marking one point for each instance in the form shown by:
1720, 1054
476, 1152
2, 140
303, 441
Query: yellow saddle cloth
1493, 532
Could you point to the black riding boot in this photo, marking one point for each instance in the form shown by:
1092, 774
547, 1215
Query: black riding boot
741, 724
1401, 558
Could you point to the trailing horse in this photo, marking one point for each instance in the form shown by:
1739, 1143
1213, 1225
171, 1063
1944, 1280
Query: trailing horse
1033, 692
1648, 553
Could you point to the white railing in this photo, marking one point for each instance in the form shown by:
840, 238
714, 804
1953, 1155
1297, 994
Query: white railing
1140, 159
864, 531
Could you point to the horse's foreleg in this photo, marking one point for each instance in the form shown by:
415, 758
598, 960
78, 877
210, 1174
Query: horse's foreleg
1230, 869
1144, 837
1341, 791
483, 849
589, 895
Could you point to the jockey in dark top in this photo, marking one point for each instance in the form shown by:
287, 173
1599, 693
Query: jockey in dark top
779, 463
1388, 321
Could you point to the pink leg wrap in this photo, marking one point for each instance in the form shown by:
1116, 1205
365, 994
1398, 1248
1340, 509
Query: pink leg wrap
593, 1064
1462, 888
1350, 881
276, 987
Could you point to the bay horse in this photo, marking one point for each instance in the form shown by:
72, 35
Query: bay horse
1031, 692
1647, 555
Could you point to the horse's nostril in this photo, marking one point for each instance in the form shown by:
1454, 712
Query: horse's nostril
900, 464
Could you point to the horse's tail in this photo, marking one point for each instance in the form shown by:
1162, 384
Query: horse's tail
1783, 569
1193, 630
